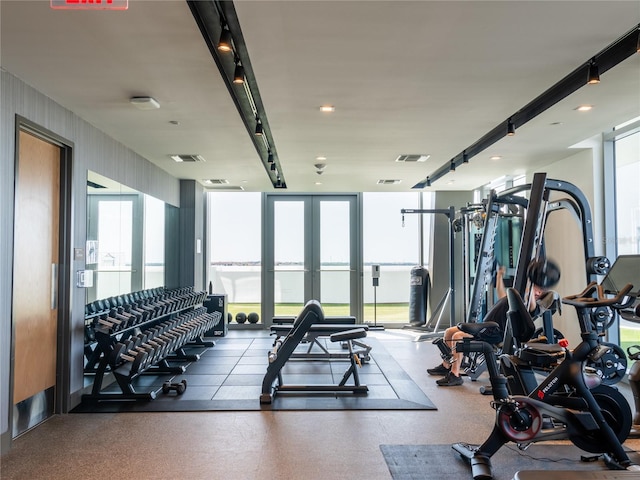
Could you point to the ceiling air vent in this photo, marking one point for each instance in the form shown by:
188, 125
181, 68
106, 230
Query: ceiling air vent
221, 184
413, 158
388, 182
187, 158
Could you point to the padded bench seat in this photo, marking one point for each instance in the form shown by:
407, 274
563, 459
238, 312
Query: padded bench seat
321, 330
342, 320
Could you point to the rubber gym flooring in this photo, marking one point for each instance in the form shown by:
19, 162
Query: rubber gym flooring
228, 377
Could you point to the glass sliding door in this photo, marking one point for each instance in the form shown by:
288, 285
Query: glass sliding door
334, 267
311, 252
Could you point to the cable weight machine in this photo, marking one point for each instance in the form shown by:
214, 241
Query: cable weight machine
430, 328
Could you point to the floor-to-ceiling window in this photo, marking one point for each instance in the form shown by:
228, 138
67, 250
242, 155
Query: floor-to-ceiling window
396, 247
310, 236
626, 151
235, 242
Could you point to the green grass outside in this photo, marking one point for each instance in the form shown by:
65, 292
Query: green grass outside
388, 313
384, 313
629, 337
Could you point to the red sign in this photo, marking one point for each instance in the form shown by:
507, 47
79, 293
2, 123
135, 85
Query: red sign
90, 4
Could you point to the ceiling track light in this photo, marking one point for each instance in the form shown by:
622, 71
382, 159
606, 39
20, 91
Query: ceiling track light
428, 182
452, 166
594, 73
224, 44
511, 129
238, 73
609, 57
228, 49
465, 157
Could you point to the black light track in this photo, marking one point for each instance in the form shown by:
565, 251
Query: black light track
210, 15
618, 51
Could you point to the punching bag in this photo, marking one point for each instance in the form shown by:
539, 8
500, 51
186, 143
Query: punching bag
418, 296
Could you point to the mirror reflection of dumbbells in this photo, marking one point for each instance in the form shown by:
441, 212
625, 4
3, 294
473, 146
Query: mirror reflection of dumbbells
242, 317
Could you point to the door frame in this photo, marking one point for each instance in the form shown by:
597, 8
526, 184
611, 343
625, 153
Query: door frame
65, 257
137, 235
311, 209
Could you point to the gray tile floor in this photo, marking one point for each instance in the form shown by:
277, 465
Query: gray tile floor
229, 376
310, 445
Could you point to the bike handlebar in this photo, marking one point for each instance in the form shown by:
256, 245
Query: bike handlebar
585, 298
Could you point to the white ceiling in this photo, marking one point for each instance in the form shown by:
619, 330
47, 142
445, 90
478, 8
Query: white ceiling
406, 77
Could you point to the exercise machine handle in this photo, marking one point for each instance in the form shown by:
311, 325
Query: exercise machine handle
585, 299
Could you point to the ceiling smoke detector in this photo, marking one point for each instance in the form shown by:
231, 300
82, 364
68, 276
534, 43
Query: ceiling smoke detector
418, 157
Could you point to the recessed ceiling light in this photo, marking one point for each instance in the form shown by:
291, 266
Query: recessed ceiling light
318, 183
583, 108
327, 108
451, 182
495, 157
321, 158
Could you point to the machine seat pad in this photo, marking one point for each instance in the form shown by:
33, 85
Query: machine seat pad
334, 320
324, 329
348, 335
477, 328
550, 348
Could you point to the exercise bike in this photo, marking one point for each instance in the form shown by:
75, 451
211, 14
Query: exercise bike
568, 404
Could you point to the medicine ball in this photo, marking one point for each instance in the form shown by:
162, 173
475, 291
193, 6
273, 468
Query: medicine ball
241, 317
253, 317
543, 273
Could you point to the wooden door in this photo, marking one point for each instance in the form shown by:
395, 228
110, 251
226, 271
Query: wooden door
36, 252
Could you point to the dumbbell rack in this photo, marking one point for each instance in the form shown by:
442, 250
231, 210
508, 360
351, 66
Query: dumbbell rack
138, 333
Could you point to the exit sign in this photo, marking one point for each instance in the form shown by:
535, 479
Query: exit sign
90, 4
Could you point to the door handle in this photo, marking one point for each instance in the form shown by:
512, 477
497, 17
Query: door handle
54, 286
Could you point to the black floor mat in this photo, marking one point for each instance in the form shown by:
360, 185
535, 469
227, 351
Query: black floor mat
422, 462
229, 377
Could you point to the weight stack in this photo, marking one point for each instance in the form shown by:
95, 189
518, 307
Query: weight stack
418, 296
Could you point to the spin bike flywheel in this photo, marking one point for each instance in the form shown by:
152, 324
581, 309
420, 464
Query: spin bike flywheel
519, 422
617, 414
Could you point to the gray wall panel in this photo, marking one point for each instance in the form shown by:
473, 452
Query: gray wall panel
93, 150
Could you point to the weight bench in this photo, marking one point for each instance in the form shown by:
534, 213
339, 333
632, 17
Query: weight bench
325, 330
284, 347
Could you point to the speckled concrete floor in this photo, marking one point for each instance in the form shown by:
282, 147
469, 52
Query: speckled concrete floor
322, 445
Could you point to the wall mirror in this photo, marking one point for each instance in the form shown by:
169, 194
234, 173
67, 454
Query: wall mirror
125, 239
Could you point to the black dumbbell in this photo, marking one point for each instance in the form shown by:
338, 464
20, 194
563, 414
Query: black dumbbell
179, 387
